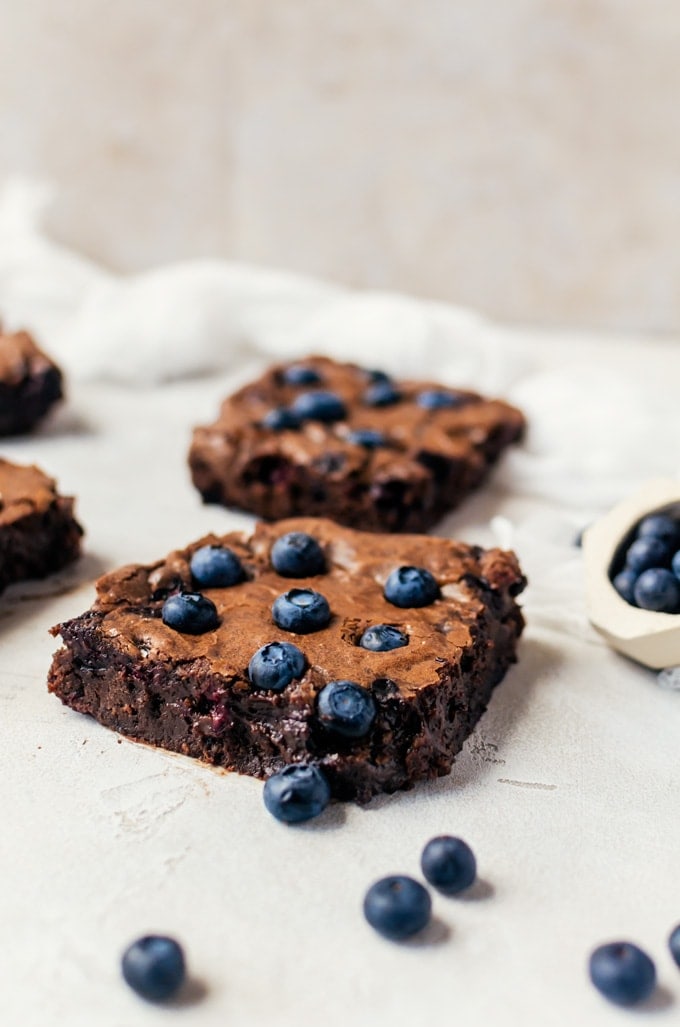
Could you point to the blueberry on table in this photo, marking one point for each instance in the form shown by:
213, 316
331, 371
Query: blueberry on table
439, 399
319, 406
275, 665
382, 394
298, 374
154, 967
216, 567
622, 972
660, 526
298, 792
190, 612
346, 708
298, 555
674, 944
381, 638
411, 586
281, 419
647, 552
301, 610
397, 907
659, 590
448, 864
367, 437
624, 583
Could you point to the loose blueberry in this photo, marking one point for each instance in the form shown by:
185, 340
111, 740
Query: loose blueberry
659, 590
411, 586
448, 864
397, 907
382, 394
622, 972
301, 610
438, 399
647, 552
624, 583
297, 555
275, 665
675, 564
381, 638
346, 708
674, 944
298, 792
319, 406
190, 612
367, 437
298, 374
281, 419
660, 526
216, 567
154, 967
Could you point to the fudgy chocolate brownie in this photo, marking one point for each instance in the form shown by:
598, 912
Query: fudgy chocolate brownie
369, 656
38, 532
30, 383
319, 438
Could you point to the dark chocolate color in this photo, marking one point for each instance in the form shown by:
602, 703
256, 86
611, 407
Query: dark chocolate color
30, 383
192, 694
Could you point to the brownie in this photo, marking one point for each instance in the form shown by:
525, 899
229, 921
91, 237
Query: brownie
30, 383
38, 532
388, 456
192, 693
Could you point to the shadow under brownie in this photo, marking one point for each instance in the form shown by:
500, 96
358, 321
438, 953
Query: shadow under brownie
387, 455
193, 694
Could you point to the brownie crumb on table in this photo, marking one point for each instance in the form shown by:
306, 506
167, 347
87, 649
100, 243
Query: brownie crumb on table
38, 531
30, 383
245, 687
321, 438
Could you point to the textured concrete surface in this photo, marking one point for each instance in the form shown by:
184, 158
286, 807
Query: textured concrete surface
522, 157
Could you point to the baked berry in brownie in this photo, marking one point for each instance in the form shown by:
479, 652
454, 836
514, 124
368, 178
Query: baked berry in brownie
30, 383
38, 532
368, 655
327, 439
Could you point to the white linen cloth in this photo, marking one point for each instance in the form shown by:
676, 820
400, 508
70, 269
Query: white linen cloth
567, 790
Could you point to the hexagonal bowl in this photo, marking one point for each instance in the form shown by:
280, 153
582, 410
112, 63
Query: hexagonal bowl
652, 639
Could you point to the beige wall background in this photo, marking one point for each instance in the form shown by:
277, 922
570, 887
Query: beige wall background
518, 156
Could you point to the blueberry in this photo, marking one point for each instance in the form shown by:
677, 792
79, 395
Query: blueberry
319, 406
190, 612
438, 399
216, 567
375, 375
297, 555
366, 437
660, 526
381, 394
298, 374
346, 708
647, 552
301, 610
448, 864
675, 564
298, 792
397, 907
380, 638
674, 944
275, 665
658, 589
622, 972
281, 419
154, 967
624, 583
411, 586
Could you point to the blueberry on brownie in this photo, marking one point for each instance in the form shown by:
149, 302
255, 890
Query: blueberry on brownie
30, 383
321, 438
38, 532
256, 676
